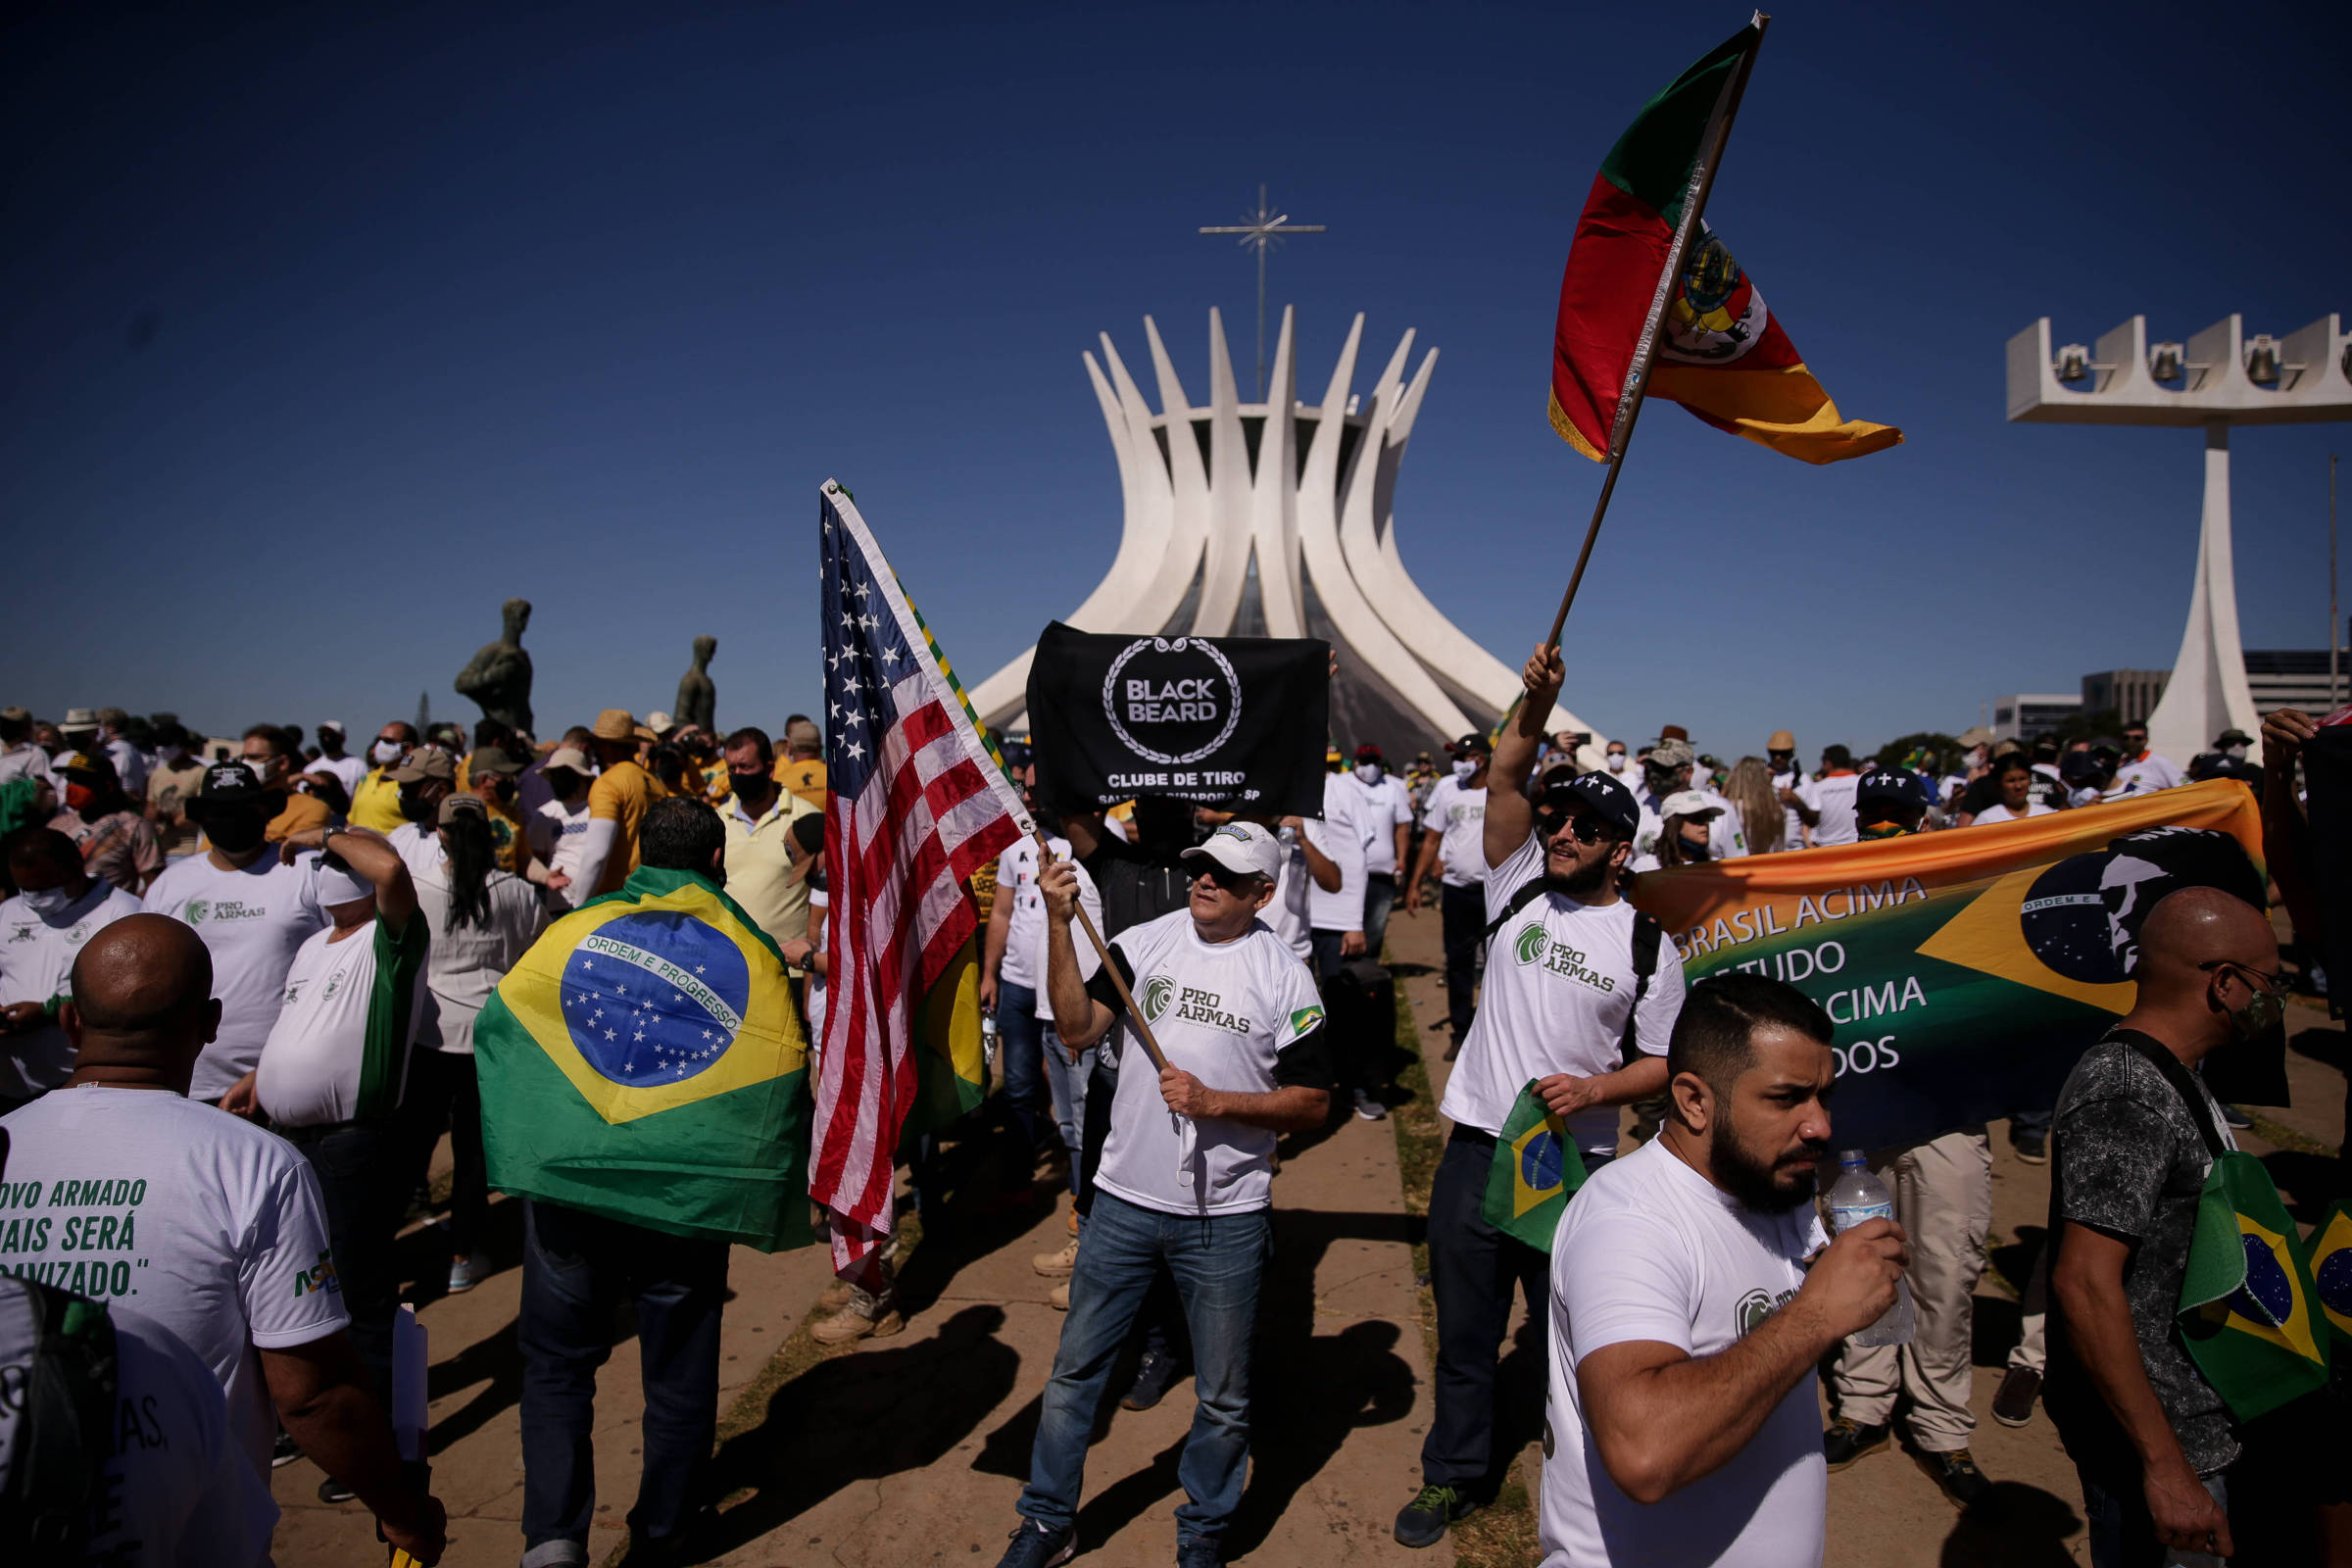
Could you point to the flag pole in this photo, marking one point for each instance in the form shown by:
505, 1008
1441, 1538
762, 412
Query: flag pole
1086, 922
1645, 354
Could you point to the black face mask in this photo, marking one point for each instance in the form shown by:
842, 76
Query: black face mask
417, 809
235, 832
751, 786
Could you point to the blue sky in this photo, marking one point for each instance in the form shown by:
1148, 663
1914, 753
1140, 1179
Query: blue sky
321, 335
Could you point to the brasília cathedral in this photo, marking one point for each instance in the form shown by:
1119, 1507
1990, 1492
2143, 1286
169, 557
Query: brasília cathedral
1278, 520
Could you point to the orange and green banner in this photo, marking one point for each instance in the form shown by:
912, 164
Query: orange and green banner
1965, 970
1721, 353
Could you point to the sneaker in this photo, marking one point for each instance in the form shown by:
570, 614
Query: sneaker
1198, 1553
1848, 1440
869, 1319
332, 1491
1957, 1474
465, 1273
284, 1451
1425, 1520
1036, 1546
1059, 1298
2013, 1405
1152, 1379
1368, 1109
2235, 1117
2031, 1150
1056, 1265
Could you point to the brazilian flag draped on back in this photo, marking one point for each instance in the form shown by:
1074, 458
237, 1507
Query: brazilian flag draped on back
2249, 1313
644, 1061
1536, 1167
2331, 1272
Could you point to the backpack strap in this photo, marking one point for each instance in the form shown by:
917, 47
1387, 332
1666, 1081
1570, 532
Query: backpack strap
1648, 934
1527, 893
2184, 1084
64, 1425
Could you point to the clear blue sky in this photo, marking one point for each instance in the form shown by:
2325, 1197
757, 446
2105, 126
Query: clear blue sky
320, 336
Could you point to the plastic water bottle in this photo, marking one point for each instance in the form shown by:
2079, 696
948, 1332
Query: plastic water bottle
988, 1042
1858, 1195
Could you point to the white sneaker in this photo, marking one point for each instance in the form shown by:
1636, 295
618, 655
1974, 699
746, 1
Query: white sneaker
1056, 1265
1369, 1108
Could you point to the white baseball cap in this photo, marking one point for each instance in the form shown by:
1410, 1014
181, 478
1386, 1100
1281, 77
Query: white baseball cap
1688, 803
1242, 847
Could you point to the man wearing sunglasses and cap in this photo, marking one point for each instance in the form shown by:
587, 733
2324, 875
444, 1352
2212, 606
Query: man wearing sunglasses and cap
1187, 1174
1580, 997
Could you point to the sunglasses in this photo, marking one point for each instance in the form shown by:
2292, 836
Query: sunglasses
1237, 883
1582, 826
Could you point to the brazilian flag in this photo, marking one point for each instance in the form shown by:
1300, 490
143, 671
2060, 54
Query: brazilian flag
644, 1061
1535, 1169
2331, 1272
2249, 1313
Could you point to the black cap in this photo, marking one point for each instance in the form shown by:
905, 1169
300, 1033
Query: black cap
1892, 784
1471, 745
1600, 795
2078, 768
227, 786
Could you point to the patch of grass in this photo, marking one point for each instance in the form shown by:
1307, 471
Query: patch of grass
1501, 1534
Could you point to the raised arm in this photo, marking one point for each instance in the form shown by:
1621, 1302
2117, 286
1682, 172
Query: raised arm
369, 854
1509, 815
1321, 869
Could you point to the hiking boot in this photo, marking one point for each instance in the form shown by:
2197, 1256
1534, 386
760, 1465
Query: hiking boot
1156, 1374
836, 1296
1957, 1474
1036, 1546
2013, 1404
1848, 1440
1059, 1298
1369, 1108
1423, 1522
1056, 1265
865, 1317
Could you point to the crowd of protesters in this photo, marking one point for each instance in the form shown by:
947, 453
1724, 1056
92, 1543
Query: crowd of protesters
263, 960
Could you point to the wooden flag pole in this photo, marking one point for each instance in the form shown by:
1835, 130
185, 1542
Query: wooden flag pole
1142, 1030
1645, 354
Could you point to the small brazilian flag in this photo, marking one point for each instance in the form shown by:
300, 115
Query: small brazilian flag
1535, 1171
2249, 1315
2331, 1272
644, 1061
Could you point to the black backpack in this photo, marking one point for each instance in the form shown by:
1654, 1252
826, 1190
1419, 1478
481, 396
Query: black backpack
1646, 934
63, 1424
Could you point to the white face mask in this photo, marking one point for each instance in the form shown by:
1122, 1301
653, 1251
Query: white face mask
1616, 761
49, 903
385, 752
1369, 773
2235, 753
1464, 767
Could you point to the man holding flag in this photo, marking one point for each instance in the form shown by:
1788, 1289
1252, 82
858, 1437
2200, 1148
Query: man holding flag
1574, 978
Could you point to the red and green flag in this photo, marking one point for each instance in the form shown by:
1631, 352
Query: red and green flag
1642, 268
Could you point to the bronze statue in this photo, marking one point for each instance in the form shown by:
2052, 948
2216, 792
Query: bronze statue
499, 680
698, 699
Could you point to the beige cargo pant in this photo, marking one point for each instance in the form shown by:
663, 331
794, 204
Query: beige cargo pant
1943, 1201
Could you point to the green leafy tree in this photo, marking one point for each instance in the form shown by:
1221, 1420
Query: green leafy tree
1939, 747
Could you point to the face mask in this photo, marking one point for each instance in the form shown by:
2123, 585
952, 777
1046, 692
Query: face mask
385, 752
1369, 773
235, 832
2262, 1014
1616, 761
747, 784
417, 809
1694, 849
1463, 767
50, 903
78, 796
2236, 754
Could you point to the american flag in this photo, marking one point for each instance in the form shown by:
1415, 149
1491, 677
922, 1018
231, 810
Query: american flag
920, 801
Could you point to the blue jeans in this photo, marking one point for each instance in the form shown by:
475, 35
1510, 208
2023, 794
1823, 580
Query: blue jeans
1217, 1260
1025, 1037
575, 1268
1067, 1080
2121, 1534
1380, 896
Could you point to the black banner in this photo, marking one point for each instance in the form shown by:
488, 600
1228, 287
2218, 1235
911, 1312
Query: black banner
2327, 773
1234, 721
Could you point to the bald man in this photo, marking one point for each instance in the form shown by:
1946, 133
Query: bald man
2150, 1438
122, 1189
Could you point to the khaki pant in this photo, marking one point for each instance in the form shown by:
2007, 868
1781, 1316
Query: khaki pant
1944, 1200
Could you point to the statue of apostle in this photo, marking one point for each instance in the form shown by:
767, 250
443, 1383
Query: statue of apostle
698, 699
499, 680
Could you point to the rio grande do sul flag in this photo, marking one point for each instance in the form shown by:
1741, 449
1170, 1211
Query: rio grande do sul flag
1721, 353
1965, 970
644, 1061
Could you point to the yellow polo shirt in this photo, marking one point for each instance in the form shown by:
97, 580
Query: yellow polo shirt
761, 875
620, 795
802, 776
375, 804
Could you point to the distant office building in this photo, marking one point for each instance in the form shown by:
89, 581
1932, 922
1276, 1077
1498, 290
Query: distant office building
2132, 693
2293, 677
2026, 717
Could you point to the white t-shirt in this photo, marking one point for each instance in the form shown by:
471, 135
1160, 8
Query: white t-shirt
1457, 814
1793, 829
560, 833
1559, 987
1384, 808
26, 762
1997, 812
1228, 1013
1025, 961
252, 919
199, 1219
1651, 1250
1345, 836
130, 767
2146, 773
348, 771
176, 1491
339, 1049
1285, 915
1832, 798
465, 963
37, 963
419, 847
817, 903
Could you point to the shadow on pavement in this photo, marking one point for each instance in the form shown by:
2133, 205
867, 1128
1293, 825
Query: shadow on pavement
2016, 1526
863, 1417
